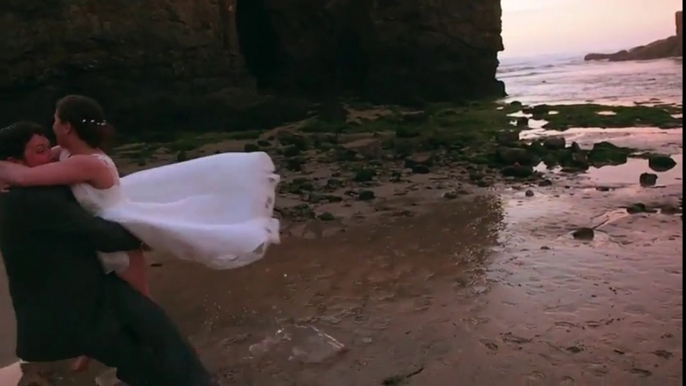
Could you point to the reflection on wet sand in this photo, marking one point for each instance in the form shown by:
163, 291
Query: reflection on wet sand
439, 294
368, 288
478, 290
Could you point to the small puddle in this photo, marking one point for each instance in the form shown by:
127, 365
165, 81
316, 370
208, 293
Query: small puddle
629, 173
578, 132
534, 124
625, 174
650, 139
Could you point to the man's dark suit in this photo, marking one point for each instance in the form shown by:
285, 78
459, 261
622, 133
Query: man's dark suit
66, 306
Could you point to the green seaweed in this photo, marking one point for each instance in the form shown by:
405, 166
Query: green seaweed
592, 115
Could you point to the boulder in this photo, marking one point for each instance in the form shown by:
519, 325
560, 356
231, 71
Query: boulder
515, 155
517, 171
661, 163
522, 121
555, 143
606, 153
507, 138
647, 179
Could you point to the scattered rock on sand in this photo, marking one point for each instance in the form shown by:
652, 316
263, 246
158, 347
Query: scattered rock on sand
522, 121
366, 195
423, 159
529, 193
513, 155
660, 162
327, 216
648, 179
450, 195
507, 138
517, 171
420, 169
584, 234
606, 153
639, 208
670, 209
555, 143
364, 175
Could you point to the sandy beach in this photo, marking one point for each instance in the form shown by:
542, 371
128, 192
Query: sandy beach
456, 272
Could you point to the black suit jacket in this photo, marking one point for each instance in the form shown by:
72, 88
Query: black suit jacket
58, 288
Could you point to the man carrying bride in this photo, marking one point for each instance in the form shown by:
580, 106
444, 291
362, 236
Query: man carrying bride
65, 304
216, 210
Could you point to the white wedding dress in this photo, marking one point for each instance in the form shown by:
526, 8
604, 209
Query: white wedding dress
215, 210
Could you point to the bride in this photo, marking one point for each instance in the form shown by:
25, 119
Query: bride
215, 210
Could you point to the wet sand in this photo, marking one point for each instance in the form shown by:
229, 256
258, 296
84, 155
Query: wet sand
486, 287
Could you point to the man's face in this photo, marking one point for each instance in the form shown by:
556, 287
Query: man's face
37, 152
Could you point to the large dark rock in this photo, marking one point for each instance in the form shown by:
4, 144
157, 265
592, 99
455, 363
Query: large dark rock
664, 48
661, 162
512, 155
647, 179
199, 65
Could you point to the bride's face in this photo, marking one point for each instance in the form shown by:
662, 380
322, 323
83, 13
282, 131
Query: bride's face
61, 129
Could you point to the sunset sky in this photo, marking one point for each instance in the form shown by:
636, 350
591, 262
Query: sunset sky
534, 27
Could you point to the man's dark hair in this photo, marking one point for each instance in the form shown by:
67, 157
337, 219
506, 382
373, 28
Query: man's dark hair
15, 137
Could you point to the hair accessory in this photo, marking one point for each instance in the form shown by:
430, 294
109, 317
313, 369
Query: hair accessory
93, 121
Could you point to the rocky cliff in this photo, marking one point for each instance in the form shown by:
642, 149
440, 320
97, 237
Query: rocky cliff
210, 63
664, 48
679, 22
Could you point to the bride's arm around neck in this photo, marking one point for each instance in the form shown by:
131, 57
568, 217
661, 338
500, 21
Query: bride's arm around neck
73, 170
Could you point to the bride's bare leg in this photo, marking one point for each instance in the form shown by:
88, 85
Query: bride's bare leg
137, 272
136, 275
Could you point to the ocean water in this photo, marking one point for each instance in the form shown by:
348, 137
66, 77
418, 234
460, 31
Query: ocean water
566, 79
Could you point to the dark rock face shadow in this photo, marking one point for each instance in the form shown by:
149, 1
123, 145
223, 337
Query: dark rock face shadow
258, 41
195, 66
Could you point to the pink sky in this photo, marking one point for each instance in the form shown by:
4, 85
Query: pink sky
534, 27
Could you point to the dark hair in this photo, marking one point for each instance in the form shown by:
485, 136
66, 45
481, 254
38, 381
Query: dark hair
87, 118
15, 137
